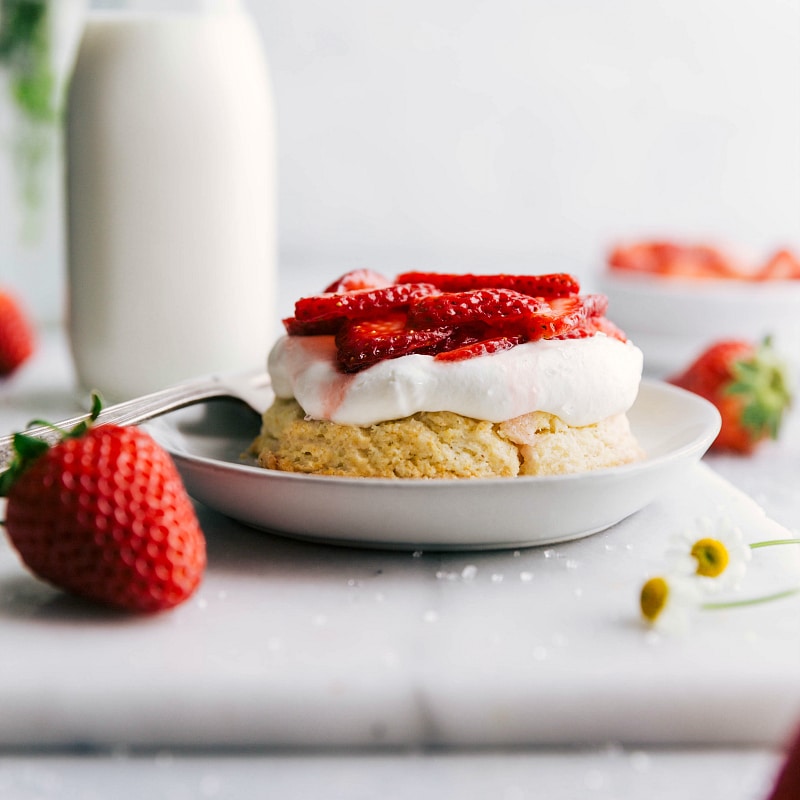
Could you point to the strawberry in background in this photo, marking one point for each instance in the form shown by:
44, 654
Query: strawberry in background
672, 259
783, 266
748, 384
17, 339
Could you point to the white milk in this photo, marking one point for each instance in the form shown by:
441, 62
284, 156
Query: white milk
171, 199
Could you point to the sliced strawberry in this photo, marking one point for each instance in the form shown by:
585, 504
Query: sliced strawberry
782, 266
359, 303
606, 326
590, 327
357, 279
325, 327
551, 285
674, 260
507, 311
483, 347
427, 313
362, 343
495, 307
570, 314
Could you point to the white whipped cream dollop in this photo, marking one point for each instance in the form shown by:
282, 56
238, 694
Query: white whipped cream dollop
582, 381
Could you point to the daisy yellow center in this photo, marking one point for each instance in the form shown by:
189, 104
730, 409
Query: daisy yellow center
712, 557
653, 600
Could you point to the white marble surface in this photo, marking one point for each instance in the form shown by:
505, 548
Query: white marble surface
294, 644
609, 773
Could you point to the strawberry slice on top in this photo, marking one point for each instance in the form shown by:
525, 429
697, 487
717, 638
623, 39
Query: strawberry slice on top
505, 310
362, 343
357, 279
570, 313
502, 308
359, 303
451, 317
557, 284
325, 327
483, 347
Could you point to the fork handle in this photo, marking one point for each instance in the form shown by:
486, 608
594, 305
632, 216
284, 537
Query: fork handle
128, 412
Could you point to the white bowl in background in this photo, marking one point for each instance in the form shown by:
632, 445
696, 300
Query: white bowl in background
674, 320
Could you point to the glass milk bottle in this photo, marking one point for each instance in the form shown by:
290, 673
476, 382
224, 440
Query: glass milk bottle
170, 196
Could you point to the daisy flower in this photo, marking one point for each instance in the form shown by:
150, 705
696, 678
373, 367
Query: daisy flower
707, 557
667, 602
714, 552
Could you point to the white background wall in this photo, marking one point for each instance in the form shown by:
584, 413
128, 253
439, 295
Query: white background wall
511, 134
499, 132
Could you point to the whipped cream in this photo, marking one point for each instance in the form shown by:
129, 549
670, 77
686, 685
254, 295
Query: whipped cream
582, 381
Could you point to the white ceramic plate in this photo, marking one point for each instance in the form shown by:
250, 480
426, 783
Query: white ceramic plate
674, 320
207, 442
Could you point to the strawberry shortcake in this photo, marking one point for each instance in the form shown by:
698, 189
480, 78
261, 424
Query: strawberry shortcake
450, 376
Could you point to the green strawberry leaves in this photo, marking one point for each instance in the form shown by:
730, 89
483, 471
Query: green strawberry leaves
28, 449
763, 385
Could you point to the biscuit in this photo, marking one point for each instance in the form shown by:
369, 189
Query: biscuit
440, 444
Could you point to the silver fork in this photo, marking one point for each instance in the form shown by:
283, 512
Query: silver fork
251, 388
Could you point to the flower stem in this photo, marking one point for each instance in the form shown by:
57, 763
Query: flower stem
753, 600
771, 542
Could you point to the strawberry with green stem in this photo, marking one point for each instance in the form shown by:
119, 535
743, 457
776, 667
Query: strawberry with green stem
103, 514
748, 384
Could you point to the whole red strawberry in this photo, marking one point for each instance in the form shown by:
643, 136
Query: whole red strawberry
16, 335
103, 514
749, 386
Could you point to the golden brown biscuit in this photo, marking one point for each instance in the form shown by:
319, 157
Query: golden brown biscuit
440, 444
